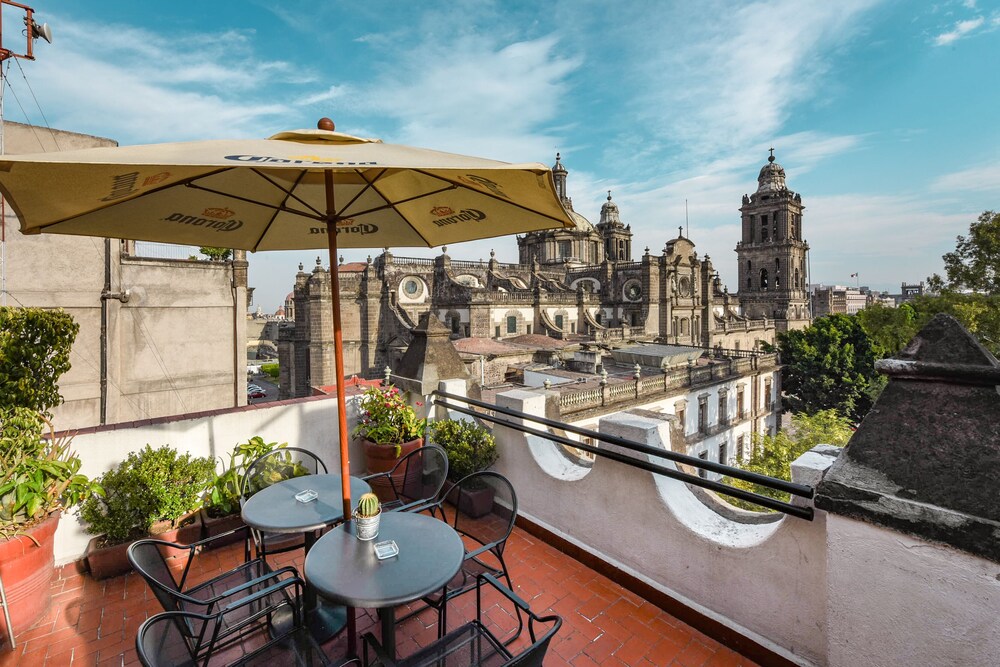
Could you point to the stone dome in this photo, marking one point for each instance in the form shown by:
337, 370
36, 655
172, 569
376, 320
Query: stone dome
771, 177
582, 224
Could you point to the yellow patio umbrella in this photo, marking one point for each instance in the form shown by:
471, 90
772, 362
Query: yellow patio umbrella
300, 189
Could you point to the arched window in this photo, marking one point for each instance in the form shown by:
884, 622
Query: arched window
684, 326
797, 285
749, 282
777, 273
763, 279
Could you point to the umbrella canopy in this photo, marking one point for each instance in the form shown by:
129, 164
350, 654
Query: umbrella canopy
271, 194
301, 189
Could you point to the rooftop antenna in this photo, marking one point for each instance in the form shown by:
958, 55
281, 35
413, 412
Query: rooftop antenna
32, 31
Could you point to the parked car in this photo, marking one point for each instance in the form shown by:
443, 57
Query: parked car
256, 393
254, 387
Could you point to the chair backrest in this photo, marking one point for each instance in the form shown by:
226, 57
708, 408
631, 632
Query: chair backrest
278, 465
534, 655
146, 557
420, 475
484, 507
162, 641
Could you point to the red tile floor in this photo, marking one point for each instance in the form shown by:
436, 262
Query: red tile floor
95, 622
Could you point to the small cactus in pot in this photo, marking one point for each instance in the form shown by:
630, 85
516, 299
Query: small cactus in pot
367, 516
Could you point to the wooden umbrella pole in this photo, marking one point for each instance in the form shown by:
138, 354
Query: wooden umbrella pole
338, 360
338, 345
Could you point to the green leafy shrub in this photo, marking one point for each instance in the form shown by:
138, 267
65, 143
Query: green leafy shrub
34, 352
272, 370
223, 496
38, 476
470, 447
148, 486
216, 254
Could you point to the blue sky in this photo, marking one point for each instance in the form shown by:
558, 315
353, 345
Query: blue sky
884, 114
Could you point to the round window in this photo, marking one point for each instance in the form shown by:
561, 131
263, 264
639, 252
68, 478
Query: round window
411, 287
633, 290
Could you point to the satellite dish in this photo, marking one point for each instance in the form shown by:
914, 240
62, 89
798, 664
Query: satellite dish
43, 31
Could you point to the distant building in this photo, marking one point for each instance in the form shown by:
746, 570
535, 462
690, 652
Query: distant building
160, 333
574, 285
837, 300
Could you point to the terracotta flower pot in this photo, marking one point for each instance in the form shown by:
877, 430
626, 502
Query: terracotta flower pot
27, 572
107, 561
381, 458
473, 503
221, 524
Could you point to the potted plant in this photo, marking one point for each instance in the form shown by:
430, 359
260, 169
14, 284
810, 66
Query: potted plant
39, 478
220, 512
367, 516
152, 492
388, 428
470, 448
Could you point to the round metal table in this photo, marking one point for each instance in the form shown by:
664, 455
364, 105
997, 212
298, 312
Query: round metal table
344, 569
275, 510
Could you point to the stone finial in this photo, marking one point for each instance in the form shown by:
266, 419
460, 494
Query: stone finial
341, 258
547, 384
492, 253
300, 266
604, 376
638, 372
926, 457
369, 259
444, 250
388, 375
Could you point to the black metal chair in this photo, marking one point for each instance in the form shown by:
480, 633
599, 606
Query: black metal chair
275, 466
167, 639
415, 482
483, 507
245, 582
476, 644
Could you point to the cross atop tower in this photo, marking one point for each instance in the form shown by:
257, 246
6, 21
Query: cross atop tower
771, 158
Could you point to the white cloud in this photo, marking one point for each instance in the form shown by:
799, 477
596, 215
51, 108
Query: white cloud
134, 85
473, 94
961, 29
733, 82
984, 178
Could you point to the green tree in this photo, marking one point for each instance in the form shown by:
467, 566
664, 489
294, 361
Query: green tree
891, 328
34, 352
975, 262
830, 365
215, 254
772, 455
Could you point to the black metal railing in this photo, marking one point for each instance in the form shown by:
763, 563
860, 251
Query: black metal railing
497, 413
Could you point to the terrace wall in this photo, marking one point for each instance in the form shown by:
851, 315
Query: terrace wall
310, 423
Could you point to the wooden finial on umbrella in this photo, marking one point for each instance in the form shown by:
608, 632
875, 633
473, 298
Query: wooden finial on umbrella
325, 124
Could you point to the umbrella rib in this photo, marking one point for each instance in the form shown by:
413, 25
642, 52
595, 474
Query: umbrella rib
368, 186
393, 205
256, 203
290, 192
146, 193
488, 194
274, 217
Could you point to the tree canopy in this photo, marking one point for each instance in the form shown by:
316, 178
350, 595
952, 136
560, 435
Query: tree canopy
830, 365
975, 263
772, 455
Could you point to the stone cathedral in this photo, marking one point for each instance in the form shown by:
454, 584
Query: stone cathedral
582, 284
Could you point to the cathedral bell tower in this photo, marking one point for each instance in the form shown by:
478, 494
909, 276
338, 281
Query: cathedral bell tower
772, 253
616, 235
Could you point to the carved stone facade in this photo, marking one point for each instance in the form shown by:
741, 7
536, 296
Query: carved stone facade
571, 284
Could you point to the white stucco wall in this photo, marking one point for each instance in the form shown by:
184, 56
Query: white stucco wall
765, 581
895, 600
307, 423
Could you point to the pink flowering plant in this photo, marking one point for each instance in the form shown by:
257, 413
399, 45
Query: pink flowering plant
385, 418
